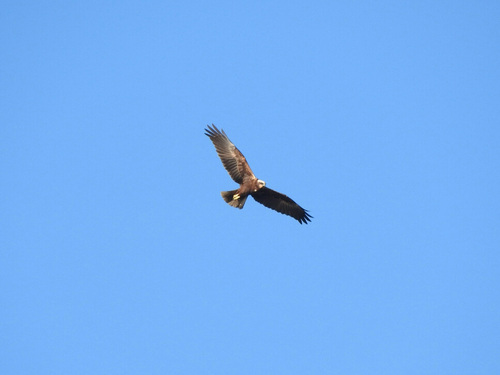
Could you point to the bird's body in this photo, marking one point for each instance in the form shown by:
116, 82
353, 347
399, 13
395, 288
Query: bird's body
239, 170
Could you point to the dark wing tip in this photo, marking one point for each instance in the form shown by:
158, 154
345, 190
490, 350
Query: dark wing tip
304, 219
212, 131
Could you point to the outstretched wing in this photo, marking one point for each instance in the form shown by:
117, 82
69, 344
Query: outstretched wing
232, 159
281, 203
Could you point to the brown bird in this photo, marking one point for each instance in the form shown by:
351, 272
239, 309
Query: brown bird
239, 170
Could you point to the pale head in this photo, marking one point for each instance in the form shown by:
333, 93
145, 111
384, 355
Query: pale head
260, 184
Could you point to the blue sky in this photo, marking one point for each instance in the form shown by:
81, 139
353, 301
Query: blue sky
118, 255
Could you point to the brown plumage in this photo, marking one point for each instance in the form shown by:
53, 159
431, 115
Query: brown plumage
239, 170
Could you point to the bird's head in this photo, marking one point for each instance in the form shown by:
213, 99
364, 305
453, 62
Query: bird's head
260, 184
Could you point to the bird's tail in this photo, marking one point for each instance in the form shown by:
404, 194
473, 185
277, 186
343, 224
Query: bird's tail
229, 196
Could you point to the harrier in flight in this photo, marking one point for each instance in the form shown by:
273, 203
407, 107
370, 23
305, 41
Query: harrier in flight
239, 170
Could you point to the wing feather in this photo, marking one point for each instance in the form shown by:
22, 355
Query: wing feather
282, 204
233, 160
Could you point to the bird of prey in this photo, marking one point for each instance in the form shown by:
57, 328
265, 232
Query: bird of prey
239, 170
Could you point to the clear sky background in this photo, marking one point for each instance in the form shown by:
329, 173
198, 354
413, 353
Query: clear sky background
118, 255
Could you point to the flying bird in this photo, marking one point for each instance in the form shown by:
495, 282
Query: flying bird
239, 170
